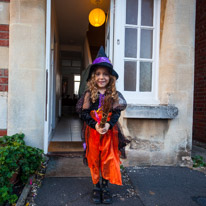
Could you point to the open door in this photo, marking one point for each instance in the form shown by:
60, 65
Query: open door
109, 30
47, 119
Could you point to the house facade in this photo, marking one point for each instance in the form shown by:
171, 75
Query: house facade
151, 45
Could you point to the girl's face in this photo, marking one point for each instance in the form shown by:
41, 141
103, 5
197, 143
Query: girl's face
101, 77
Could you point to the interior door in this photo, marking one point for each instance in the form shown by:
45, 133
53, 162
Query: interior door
109, 30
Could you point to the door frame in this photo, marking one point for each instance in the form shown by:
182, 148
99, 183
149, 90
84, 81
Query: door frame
49, 73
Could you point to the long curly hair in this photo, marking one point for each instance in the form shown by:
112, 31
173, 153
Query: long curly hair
110, 88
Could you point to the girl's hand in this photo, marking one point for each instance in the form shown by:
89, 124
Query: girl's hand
102, 130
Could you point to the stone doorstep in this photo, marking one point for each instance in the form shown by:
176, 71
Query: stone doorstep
64, 146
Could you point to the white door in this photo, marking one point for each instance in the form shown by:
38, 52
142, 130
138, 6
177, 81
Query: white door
109, 31
48, 75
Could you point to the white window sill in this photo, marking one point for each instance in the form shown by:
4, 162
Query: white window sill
151, 112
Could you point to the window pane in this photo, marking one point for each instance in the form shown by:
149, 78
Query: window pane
147, 13
145, 76
76, 77
76, 63
131, 11
130, 76
130, 43
76, 87
146, 43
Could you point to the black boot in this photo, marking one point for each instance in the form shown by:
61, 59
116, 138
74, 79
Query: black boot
106, 195
96, 193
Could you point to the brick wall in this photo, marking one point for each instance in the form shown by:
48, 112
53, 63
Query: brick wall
4, 80
3, 132
4, 35
199, 115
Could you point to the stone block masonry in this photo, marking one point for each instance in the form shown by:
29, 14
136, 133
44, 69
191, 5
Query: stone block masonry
27, 40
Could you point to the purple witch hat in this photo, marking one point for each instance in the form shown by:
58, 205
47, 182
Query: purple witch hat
103, 61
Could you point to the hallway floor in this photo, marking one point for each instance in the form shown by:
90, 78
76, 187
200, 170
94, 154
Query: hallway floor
68, 129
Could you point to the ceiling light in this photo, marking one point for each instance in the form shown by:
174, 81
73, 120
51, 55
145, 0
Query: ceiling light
97, 17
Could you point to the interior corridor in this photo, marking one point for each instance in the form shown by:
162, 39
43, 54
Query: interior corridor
74, 45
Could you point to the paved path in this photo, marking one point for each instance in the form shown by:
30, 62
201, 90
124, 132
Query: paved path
143, 186
169, 186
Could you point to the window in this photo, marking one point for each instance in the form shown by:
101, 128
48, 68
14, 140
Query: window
137, 46
71, 63
76, 84
66, 63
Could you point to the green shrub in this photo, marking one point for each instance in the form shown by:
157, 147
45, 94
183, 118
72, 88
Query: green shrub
15, 156
198, 161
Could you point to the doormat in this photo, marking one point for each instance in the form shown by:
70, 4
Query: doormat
67, 167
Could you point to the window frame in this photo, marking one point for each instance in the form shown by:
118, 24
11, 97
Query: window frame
76, 81
136, 97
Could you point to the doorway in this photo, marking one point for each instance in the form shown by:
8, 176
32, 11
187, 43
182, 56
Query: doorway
72, 45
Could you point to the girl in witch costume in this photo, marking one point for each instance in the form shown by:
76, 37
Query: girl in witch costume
100, 108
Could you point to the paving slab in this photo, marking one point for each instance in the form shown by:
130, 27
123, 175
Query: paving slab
67, 167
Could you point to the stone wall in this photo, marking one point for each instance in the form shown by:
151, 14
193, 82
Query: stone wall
168, 142
26, 99
4, 63
199, 123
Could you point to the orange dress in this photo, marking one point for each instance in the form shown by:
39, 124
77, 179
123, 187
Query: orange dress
102, 153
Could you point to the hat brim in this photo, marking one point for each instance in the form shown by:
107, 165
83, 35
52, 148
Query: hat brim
103, 64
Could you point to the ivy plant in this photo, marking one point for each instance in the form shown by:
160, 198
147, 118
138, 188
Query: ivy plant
198, 161
16, 156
